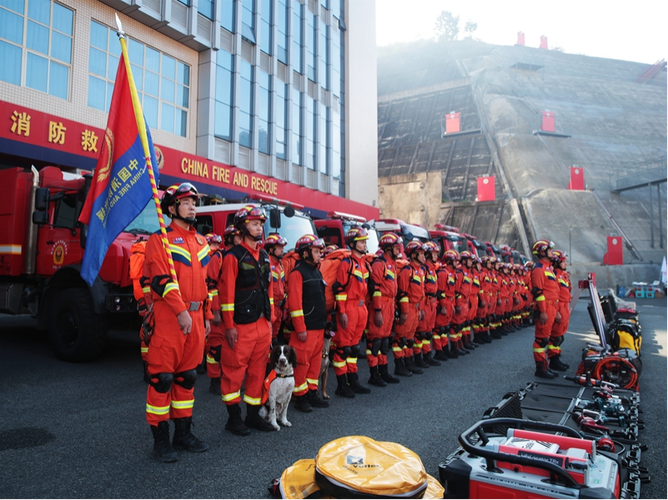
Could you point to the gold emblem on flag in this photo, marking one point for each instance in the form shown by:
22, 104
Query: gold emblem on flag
106, 169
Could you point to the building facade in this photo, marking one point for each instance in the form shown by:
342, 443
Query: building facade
283, 91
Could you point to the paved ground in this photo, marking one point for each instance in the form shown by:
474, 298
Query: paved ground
78, 430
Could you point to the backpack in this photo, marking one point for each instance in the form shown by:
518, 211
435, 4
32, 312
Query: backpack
137, 257
329, 268
289, 262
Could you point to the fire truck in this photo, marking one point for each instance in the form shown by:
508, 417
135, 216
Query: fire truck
333, 229
41, 250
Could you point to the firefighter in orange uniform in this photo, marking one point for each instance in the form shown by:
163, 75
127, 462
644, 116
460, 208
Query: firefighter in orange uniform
274, 245
246, 310
383, 290
446, 303
559, 328
410, 294
216, 336
141, 289
425, 330
545, 291
308, 311
463, 292
350, 291
181, 322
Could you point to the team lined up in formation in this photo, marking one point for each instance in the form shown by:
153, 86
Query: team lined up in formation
233, 302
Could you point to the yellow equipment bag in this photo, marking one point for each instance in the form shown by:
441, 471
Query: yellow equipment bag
358, 466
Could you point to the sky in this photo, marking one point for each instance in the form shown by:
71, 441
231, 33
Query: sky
613, 29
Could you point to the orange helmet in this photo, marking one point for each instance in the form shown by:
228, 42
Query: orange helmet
541, 246
229, 234
413, 247
388, 240
213, 238
330, 248
559, 256
249, 212
309, 241
356, 234
465, 255
274, 239
450, 255
430, 246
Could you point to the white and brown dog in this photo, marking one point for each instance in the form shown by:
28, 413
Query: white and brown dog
279, 385
324, 367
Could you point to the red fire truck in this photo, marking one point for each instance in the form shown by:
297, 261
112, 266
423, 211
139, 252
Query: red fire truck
334, 228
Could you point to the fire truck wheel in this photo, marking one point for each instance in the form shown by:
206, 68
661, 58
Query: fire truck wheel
76, 332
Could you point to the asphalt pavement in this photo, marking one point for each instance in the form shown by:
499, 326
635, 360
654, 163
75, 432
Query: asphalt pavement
79, 430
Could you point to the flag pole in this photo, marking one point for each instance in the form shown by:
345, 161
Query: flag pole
141, 126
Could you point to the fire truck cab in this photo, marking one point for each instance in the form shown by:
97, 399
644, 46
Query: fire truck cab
333, 229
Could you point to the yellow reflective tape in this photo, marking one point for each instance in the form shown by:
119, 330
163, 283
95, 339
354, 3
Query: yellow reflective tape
180, 251
540, 299
553, 348
144, 350
182, 405
252, 401
296, 314
396, 348
351, 361
227, 307
214, 292
157, 410
302, 387
377, 294
312, 381
542, 349
271, 301
343, 296
403, 299
203, 253
339, 364
390, 274
211, 360
169, 287
231, 396
146, 289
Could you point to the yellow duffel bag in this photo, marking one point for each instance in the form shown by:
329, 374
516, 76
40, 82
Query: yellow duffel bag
360, 467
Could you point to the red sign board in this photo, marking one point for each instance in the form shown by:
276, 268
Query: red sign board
486, 188
577, 182
65, 142
543, 42
520, 38
452, 123
615, 254
548, 122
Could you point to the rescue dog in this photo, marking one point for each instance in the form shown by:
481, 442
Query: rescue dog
279, 385
324, 367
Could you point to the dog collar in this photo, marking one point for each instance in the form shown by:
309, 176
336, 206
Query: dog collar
284, 376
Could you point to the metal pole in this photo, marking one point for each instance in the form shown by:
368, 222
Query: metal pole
570, 250
651, 215
658, 198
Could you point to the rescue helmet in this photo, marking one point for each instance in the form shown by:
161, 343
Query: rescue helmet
309, 241
248, 213
213, 238
559, 256
388, 240
430, 246
229, 234
450, 255
273, 240
176, 192
414, 246
330, 248
356, 234
541, 246
529, 264
465, 255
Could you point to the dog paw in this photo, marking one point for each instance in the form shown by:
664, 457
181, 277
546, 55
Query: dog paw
285, 423
277, 427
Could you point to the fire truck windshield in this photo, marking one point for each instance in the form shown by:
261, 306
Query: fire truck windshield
147, 221
292, 228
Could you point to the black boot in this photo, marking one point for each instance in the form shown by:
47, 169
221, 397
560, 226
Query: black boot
342, 388
419, 362
302, 404
354, 382
495, 334
542, 371
184, 438
410, 364
450, 351
385, 375
429, 360
162, 449
557, 364
440, 355
375, 378
400, 368
254, 420
235, 423
214, 386
315, 400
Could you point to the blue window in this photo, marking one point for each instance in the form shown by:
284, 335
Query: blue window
322, 138
43, 32
205, 7
265, 28
227, 14
282, 31
296, 127
281, 119
335, 7
223, 111
248, 20
163, 83
245, 100
323, 54
310, 45
310, 132
336, 146
297, 16
335, 58
263, 111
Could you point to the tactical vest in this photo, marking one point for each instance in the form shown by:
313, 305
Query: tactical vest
251, 297
313, 296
